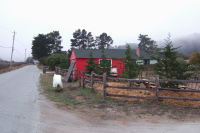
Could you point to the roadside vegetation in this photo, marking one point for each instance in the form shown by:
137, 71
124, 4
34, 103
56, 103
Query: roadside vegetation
15, 66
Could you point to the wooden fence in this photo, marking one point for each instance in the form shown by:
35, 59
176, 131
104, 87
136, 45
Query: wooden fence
88, 81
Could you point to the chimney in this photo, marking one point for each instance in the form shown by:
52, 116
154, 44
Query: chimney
138, 51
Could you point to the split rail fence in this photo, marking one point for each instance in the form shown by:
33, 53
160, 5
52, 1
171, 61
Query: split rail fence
88, 81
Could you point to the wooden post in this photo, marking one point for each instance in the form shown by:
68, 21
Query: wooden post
104, 85
157, 88
79, 78
83, 80
55, 69
72, 76
92, 80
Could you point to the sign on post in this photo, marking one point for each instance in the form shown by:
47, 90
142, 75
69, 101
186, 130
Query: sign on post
71, 67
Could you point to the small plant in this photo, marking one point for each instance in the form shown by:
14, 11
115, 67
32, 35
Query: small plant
91, 66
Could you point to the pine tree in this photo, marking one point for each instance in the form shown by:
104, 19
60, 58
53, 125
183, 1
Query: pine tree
168, 67
91, 64
46, 44
103, 41
132, 69
104, 65
82, 40
147, 44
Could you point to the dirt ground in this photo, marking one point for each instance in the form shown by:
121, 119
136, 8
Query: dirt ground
65, 119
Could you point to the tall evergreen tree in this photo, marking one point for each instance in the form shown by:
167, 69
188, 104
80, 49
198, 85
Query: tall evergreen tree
82, 40
54, 41
45, 45
168, 67
132, 69
40, 47
103, 41
147, 44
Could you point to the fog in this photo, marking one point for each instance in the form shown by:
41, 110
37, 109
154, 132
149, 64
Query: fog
123, 20
188, 43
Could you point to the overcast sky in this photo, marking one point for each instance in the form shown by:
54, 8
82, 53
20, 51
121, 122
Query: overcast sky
123, 20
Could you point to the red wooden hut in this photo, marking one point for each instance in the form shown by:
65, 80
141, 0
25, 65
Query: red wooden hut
80, 56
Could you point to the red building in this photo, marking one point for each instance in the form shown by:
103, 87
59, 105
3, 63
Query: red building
80, 56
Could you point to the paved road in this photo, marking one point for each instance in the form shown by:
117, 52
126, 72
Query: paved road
19, 109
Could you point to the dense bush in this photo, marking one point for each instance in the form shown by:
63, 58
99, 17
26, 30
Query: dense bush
195, 58
55, 60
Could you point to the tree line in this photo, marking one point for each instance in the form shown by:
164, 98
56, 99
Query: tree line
47, 47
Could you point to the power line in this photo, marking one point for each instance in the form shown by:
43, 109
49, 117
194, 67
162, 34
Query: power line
21, 43
5, 47
18, 52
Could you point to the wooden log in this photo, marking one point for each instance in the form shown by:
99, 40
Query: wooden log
146, 98
88, 81
152, 87
157, 80
88, 75
182, 87
132, 88
171, 89
98, 76
136, 84
98, 82
104, 85
134, 80
92, 80
175, 80
79, 78
83, 80
93, 88
180, 98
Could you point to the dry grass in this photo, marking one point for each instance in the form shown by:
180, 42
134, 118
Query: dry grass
143, 93
128, 92
11, 68
183, 103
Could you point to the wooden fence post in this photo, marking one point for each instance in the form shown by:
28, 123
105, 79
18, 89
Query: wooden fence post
104, 85
92, 80
79, 78
72, 75
56, 70
83, 80
157, 88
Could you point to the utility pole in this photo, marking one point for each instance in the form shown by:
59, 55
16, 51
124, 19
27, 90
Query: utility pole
12, 48
25, 56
